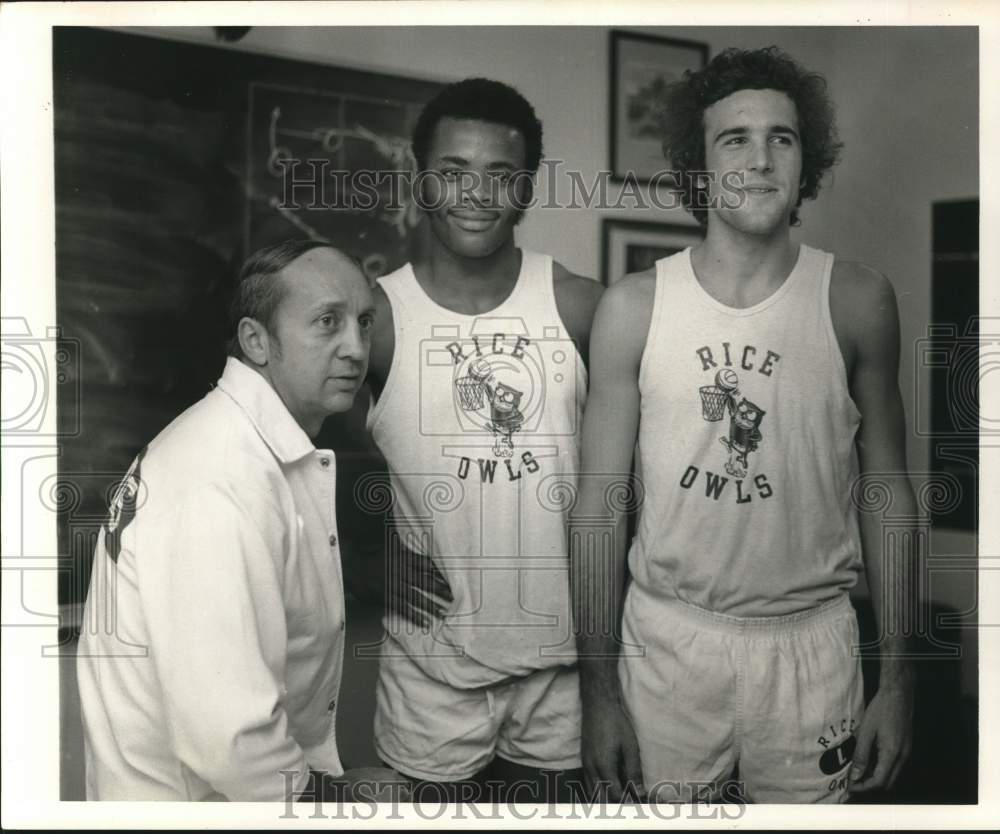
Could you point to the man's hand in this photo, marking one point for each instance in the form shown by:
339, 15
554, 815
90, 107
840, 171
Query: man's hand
406, 583
415, 588
884, 738
610, 751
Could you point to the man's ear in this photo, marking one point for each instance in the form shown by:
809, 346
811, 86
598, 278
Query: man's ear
255, 342
525, 188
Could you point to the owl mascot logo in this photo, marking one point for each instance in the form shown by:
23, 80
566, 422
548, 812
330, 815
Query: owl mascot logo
481, 392
744, 419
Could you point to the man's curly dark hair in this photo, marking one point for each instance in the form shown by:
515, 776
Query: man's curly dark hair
739, 69
484, 100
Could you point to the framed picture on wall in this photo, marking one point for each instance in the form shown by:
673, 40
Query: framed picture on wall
641, 68
634, 245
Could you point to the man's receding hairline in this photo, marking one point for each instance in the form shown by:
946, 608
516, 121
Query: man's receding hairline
340, 254
343, 257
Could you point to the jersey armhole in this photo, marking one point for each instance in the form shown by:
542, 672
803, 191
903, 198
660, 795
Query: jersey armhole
550, 293
831, 335
654, 324
377, 405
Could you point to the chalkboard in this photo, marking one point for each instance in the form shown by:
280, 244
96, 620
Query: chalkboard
172, 163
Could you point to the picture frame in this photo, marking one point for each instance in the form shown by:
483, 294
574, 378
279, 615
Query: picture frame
641, 66
635, 245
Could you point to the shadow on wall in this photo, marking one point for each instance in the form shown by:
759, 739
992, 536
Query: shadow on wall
943, 768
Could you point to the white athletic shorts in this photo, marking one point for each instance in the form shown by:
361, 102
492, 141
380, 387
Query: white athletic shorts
778, 697
429, 730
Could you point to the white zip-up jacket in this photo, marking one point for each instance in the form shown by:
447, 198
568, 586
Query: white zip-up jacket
211, 651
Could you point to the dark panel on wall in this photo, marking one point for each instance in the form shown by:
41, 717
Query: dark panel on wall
953, 357
171, 163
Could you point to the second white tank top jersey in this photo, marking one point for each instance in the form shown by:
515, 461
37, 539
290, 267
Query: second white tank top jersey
746, 445
479, 422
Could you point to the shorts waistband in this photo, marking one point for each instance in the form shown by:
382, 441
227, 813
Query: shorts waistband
823, 613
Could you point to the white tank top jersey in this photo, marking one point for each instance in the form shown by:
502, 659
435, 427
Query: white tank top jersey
746, 444
479, 422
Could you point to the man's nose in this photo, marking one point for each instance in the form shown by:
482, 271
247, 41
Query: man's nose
478, 189
353, 345
760, 159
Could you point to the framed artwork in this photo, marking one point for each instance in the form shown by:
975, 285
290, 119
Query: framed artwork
641, 68
634, 245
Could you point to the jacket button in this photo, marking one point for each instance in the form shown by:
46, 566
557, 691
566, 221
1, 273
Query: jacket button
333, 540
324, 462
331, 706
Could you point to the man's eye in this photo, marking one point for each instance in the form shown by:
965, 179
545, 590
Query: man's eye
327, 320
367, 323
451, 173
500, 176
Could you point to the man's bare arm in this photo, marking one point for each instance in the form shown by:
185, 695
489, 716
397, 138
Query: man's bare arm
577, 298
405, 582
597, 546
866, 318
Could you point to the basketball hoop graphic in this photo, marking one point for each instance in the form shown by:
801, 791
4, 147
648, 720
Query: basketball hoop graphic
713, 402
472, 388
470, 393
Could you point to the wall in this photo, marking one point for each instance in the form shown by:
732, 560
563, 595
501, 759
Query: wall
906, 98
908, 111
907, 103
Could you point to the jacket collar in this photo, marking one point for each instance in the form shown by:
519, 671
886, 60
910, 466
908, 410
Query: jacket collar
262, 405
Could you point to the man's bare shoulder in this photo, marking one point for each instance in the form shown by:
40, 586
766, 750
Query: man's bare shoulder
636, 288
381, 299
384, 337
863, 310
626, 310
383, 312
576, 298
580, 287
621, 328
856, 284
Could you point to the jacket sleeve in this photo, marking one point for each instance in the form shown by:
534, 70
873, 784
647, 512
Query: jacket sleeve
211, 583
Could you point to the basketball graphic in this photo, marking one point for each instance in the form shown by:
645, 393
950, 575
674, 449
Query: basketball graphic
721, 397
480, 370
727, 380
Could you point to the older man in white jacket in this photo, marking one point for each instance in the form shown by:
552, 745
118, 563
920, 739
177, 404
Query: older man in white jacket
210, 666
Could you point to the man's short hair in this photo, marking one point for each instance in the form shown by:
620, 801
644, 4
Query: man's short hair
742, 69
484, 100
259, 288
